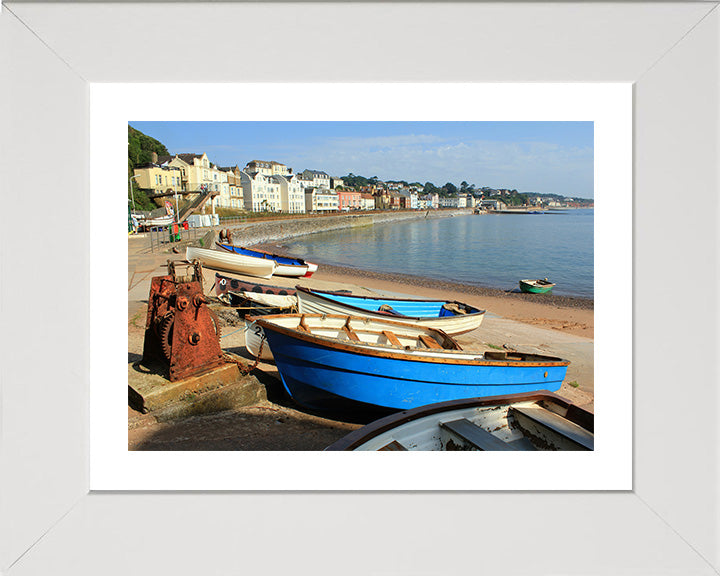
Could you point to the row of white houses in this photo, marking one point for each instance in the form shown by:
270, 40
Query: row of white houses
271, 186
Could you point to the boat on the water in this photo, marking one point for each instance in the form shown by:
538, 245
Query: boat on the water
338, 362
534, 421
449, 316
536, 286
286, 266
229, 262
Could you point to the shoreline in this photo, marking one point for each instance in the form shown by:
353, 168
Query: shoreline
572, 315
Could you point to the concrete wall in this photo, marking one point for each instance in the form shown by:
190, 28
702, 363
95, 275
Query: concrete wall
259, 232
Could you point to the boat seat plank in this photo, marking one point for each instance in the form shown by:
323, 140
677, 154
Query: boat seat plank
476, 436
351, 333
393, 446
391, 338
557, 424
429, 341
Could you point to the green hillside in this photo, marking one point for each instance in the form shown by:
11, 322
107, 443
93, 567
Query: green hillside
140, 149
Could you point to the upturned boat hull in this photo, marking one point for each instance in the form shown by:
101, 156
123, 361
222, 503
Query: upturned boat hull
323, 374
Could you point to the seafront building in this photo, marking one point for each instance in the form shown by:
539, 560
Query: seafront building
367, 201
321, 200
261, 193
429, 201
317, 178
408, 198
348, 200
459, 201
158, 179
234, 196
292, 194
268, 168
198, 173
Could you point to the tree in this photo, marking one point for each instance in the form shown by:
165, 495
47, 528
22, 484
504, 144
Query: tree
430, 188
449, 189
140, 149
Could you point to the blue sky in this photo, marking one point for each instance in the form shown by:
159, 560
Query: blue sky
546, 157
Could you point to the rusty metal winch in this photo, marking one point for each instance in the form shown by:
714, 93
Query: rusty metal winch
180, 329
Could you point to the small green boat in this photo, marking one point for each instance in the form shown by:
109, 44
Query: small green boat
536, 286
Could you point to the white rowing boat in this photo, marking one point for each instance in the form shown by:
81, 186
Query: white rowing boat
230, 262
450, 317
532, 421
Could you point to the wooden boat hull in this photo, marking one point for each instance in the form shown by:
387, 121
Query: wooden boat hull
531, 287
224, 286
534, 421
427, 313
229, 262
285, 266
256, 343
326, 373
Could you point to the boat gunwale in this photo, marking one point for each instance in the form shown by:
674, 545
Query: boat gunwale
321, 294
376, 428
364, 350
535, 282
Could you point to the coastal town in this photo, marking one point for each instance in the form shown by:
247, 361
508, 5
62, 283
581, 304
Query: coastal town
191, 182
215, 289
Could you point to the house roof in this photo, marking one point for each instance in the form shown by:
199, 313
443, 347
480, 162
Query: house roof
188, 158
316, 173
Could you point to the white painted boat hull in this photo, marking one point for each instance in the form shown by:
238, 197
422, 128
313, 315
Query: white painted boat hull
270, 300
254, 336
230, 262
290, 270
311, 304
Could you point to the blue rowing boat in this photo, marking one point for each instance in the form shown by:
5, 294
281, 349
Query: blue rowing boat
335, 362
286, 266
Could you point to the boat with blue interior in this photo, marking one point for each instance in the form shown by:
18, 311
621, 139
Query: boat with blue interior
450, 316
285, 265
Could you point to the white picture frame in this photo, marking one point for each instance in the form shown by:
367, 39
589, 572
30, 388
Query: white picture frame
607, 467
668, 524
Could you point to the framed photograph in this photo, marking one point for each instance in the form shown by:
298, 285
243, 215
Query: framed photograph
607, 107
69, 495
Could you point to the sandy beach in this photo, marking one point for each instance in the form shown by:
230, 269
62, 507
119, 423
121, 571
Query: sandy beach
545, 324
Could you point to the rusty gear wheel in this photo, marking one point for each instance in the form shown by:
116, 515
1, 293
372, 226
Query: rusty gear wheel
165, 335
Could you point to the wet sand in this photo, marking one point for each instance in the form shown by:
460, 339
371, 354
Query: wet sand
563, 313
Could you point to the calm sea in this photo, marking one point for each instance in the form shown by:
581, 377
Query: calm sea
494, 250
